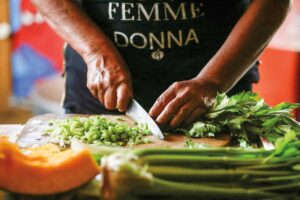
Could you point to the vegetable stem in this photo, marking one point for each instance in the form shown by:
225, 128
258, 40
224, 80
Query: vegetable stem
197, 161
213, 151
177, 190
204, 175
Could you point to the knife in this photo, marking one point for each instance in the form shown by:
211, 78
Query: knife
138, 114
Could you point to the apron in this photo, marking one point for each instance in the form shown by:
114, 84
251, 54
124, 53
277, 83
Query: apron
162, 41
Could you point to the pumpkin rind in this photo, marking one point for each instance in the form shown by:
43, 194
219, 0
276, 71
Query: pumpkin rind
42, 172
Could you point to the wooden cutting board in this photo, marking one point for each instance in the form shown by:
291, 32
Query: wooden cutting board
33, 133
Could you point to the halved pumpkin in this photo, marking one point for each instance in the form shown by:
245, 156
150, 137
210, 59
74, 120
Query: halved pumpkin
44, 170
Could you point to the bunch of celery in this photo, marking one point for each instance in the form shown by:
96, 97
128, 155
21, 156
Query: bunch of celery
245, 116
210, 173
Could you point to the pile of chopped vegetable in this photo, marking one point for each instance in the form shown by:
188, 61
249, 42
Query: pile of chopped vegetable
245, 116
96, 130
208, 173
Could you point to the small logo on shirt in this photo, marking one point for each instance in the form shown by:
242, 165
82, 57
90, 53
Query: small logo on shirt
157, 55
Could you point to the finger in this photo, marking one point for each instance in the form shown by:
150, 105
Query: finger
162, 102
195, 114
124, 95
110, 98
183, 113
93, 91
171, 109
100, 93
92, 88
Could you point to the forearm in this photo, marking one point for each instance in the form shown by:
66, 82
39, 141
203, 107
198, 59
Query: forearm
68, 20
108, 78
245, 43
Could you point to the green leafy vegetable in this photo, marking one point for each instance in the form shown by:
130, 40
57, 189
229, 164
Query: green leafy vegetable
245, 115
282, 147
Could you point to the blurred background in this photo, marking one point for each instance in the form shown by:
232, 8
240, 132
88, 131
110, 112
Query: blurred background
31, 63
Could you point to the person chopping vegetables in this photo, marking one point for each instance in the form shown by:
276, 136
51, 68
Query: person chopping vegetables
173, 57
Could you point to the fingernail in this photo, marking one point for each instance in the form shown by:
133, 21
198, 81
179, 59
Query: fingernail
150, 111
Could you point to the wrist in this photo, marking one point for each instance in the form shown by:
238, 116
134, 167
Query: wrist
96, 51
107, 60
96, 45
212, 83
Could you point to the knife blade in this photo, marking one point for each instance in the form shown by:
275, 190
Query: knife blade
138, 114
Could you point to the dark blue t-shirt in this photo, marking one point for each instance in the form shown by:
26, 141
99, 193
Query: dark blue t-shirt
162, 41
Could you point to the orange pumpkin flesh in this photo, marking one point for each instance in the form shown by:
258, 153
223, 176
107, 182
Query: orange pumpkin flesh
44, 170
